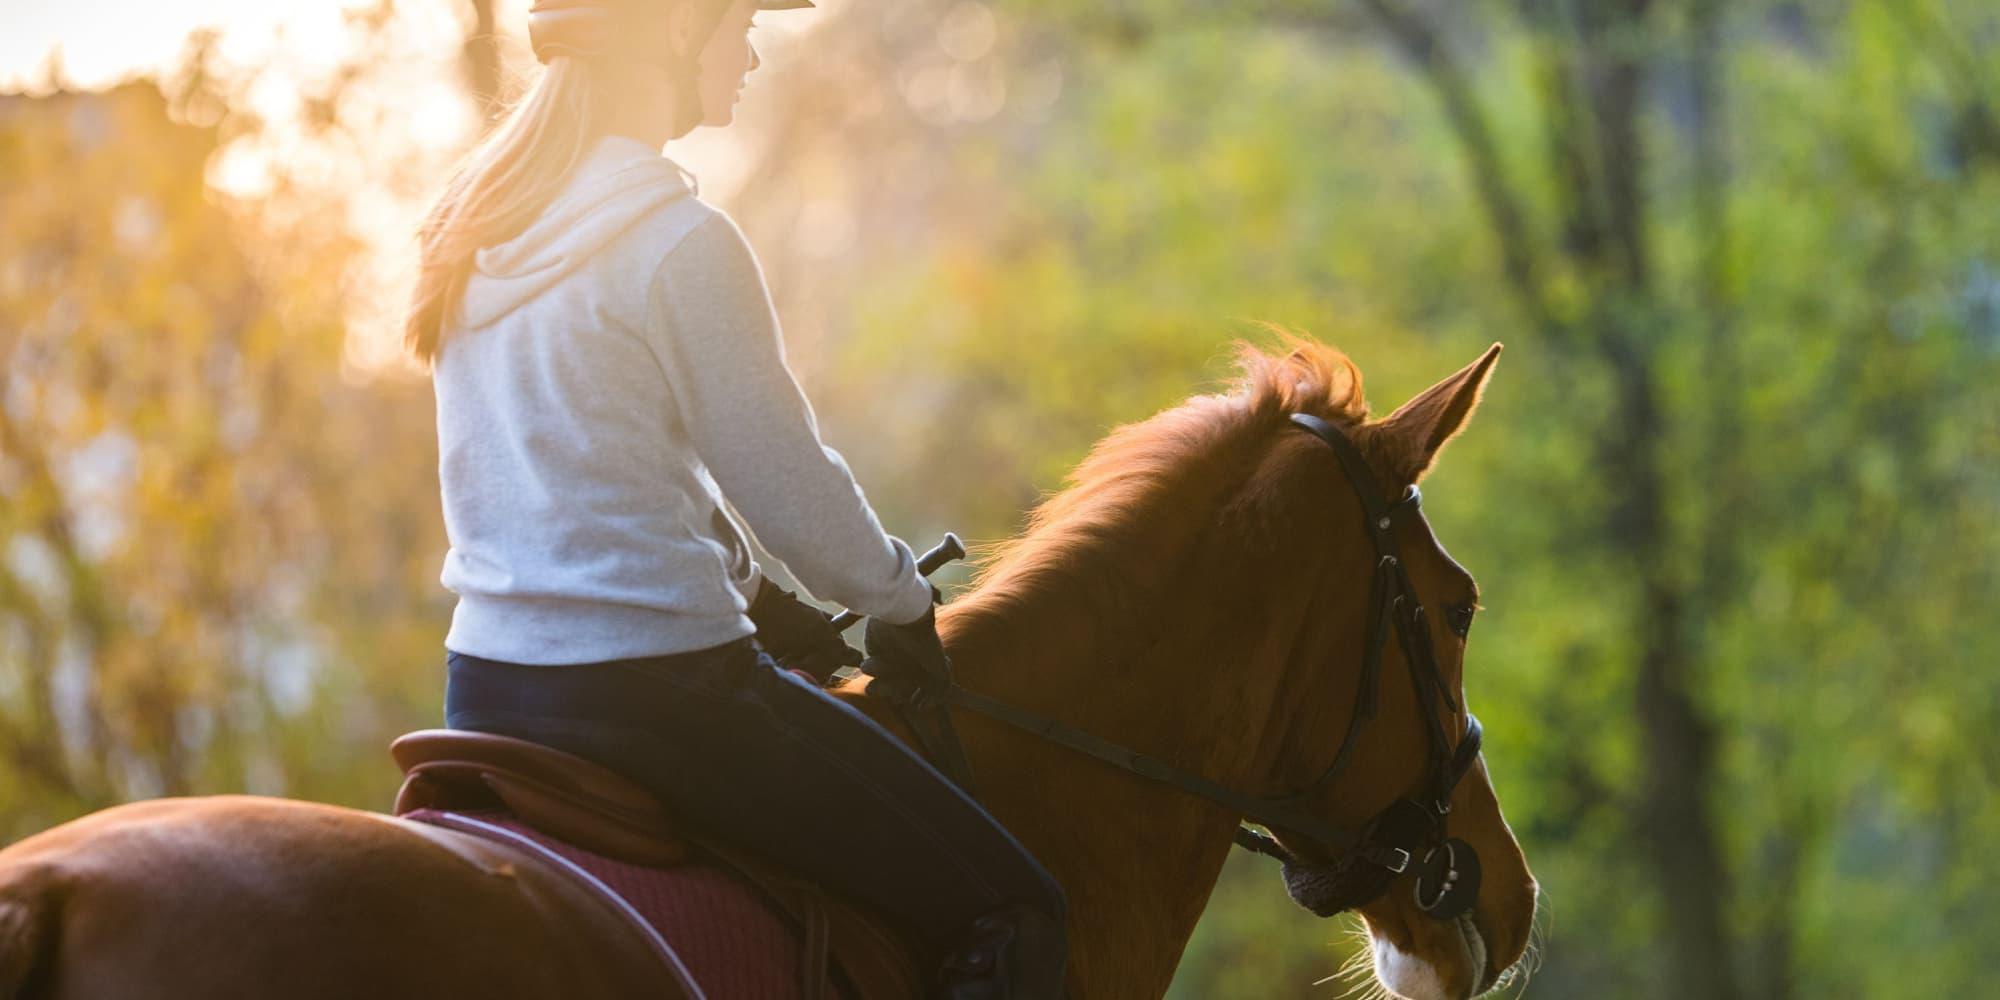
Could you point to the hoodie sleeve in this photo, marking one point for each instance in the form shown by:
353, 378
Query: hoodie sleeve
716, 334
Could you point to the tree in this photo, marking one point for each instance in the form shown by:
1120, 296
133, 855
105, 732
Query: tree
213, 536
1734, 244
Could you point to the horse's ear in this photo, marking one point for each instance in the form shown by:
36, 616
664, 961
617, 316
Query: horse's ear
1412, 436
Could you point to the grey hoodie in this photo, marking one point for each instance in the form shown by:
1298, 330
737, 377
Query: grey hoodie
617, 371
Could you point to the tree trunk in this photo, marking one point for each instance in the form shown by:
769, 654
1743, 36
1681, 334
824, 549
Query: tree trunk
1599, 63
1677, 738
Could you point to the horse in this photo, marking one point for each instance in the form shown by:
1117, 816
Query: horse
1199, 591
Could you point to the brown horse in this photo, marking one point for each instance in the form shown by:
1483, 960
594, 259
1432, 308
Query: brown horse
1198, 593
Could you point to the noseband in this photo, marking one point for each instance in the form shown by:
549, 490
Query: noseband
1411, 831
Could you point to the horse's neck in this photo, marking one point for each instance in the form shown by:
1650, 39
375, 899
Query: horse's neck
1137, 858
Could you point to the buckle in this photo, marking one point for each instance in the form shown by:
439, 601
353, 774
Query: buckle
1402, 856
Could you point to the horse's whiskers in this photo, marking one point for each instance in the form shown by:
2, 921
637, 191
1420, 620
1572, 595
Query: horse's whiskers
1359, 968
1515, 977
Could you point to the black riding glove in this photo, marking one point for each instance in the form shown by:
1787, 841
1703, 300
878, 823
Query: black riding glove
798, 635
910, 656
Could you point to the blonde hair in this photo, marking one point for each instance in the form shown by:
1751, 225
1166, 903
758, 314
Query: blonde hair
498, 188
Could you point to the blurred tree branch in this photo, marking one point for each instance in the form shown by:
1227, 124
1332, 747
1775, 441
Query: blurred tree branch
1506, 212
33, 743
87, 618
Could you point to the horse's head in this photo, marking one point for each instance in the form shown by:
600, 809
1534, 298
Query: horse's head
1378, 732
1215, 588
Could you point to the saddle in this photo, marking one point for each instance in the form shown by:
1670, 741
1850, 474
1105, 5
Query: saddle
594, 809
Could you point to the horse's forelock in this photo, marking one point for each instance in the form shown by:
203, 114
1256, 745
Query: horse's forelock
1307, 377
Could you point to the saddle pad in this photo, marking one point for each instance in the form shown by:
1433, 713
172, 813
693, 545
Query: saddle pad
734, 943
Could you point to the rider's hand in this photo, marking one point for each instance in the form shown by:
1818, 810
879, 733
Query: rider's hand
798, 635
911, 654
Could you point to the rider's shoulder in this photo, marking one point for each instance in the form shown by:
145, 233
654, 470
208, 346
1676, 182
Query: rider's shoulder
694, 237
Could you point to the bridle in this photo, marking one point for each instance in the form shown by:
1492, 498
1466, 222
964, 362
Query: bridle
1448, 881
1410, 831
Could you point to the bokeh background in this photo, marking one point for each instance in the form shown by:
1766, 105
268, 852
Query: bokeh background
1734, 497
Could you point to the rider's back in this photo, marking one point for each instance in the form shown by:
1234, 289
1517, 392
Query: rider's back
617, 370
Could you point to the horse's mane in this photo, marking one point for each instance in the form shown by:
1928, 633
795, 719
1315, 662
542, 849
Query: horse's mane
1163, 466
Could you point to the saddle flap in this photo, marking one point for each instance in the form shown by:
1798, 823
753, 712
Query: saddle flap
875, 957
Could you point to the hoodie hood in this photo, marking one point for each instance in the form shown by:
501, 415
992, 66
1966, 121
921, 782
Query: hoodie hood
618, 182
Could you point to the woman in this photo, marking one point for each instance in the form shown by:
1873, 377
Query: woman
608, 369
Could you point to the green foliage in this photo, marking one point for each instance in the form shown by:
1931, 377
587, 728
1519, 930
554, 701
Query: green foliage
1827, 471
217, 551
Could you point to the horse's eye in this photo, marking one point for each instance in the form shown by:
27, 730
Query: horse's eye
1459, 616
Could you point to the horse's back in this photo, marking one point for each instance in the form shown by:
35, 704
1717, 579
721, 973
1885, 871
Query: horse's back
236, 896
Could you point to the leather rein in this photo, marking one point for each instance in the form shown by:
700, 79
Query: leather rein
1393, 839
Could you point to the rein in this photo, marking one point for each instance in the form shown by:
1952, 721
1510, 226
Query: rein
1268, 812
1391, 841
